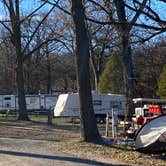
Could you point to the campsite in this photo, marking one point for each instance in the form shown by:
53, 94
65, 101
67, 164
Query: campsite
62, 136
147, 148
82, 82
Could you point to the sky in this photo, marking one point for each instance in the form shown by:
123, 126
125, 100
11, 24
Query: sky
26, 7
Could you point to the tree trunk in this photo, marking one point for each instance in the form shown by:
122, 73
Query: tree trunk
96, 77
89, 130
23, 114
65, 84
96, 64
49, 79
128, 75
125, 54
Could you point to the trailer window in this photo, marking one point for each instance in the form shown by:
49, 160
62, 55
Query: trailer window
147, 113
97, 102
7, 98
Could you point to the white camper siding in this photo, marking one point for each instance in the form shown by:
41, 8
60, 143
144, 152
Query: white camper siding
118, 103
49, 101
100, 103
68, 104
1, 102
60, 105
33, 102
72, 104
109, 102
9, 102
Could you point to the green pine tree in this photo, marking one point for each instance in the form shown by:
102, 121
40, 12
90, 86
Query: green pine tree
162, 84
111, 80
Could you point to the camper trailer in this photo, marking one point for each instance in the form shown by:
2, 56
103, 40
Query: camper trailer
39, 102
68, 105
148, 108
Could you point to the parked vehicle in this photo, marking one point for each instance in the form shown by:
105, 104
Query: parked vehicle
68, 105
146, 109
39, 102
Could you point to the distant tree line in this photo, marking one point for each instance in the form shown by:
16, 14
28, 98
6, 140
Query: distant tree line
148, 63
55, 73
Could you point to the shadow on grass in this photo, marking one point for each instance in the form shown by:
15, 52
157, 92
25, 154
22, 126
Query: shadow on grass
50, 157
33, 139
42, 125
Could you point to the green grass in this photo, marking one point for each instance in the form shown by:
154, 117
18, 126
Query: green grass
4, 117
40, 118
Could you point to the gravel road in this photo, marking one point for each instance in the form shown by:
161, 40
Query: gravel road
39, 145
26, 152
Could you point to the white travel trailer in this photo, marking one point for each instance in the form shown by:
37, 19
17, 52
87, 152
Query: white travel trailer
68, 104
33, 102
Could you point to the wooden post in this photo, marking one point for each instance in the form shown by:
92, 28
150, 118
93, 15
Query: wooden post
50, 116
114, 123
107, 125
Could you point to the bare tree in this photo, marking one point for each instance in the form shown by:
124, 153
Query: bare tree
116, 14
13, 26
100, 46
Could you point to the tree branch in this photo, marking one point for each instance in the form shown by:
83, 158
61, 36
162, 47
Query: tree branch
138, 13
155, 17
6, 27
33, 12
151, 36
99, 5
43, 43
119, 23
31, 37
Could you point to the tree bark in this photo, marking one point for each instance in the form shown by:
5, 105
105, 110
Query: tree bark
23, 114
49, 78
89, 130
126, 55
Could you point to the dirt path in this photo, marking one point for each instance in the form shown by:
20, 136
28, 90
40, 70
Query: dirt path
37, 144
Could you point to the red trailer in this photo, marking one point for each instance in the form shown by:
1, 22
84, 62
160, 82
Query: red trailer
146, 109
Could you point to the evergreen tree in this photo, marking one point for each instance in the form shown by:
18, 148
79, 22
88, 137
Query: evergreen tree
111, 80
162, 84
